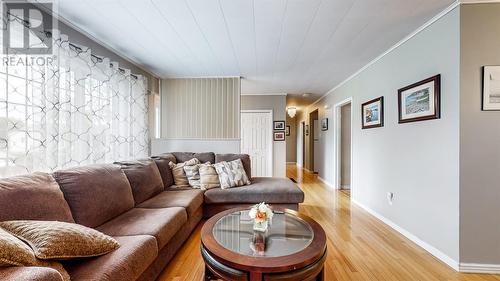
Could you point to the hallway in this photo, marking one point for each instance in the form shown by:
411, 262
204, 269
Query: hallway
360, 247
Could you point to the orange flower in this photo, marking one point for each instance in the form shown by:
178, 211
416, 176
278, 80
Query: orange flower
260, 216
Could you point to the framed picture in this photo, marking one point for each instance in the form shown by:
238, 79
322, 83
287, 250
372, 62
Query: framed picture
307, 130
491, 88
372, 113
287, 130
279, 125
324, 124
420, 101
279, 136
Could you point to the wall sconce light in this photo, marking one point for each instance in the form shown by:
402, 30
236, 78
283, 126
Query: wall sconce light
292, 111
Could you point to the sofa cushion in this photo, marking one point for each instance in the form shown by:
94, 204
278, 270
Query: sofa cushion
191, 200
33, 197
269, 190
126, 263
245, 159
165, 171
32, 273
61, 240
161, 223
95, 193
144, 178
203, 156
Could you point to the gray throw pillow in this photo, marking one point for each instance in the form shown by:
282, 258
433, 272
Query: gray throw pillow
231, 174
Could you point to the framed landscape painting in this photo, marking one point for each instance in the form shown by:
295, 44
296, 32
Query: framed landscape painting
420, 101
491, 88
372, 113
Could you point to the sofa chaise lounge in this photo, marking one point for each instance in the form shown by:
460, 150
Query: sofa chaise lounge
135, 202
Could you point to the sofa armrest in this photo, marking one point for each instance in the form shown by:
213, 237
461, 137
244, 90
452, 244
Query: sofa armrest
32, 273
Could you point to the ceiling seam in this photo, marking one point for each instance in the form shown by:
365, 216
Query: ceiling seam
203, 34
178, 35
255, 41
229, 36
279, 40
307, 34
327, 42
149, 31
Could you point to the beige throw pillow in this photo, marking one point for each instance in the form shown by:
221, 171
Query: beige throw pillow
208, 176
61, 240
180, 178
231, 174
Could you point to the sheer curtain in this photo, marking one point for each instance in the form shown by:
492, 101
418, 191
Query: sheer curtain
76, 110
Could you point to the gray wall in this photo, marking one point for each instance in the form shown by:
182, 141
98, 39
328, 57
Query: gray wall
345, 144
277, 104
419, 161
479, 138
291, 140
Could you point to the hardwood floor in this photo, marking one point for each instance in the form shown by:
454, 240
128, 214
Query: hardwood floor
360, 247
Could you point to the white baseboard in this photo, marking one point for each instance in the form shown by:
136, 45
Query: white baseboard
433, 251
330, 185
480, 268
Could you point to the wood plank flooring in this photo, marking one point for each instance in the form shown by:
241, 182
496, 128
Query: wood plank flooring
360, 247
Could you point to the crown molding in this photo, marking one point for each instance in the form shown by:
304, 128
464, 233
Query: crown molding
102, 43
404, 40
201, 77
265, 94
469, 2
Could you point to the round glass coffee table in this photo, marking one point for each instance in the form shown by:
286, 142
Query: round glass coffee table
292, 248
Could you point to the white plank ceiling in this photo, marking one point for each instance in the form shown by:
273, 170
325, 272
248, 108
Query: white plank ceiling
278, 46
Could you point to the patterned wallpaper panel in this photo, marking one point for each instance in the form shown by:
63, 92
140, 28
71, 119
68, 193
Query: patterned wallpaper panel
200, 108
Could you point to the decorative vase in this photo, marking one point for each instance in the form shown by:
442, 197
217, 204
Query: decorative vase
260, 226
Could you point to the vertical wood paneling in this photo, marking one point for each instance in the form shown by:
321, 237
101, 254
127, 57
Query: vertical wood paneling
201, 108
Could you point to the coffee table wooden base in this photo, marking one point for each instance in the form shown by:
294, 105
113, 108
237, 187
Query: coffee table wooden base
214, 270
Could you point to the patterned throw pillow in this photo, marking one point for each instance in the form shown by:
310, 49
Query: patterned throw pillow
61, 240
208, 176
180, 178
193, 175
231, 174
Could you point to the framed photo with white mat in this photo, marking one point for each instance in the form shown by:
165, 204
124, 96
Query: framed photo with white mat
491, 88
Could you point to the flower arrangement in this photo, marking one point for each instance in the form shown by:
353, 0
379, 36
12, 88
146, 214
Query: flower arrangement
261, 213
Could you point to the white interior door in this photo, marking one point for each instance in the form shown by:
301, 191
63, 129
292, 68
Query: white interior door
257, 140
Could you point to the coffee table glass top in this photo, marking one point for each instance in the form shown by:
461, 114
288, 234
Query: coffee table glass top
287, 234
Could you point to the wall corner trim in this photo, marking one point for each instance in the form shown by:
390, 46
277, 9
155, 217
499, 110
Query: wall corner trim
395, 46
480, 268
432, 250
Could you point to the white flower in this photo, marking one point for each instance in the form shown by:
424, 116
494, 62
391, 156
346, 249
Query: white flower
263, 207
252, 213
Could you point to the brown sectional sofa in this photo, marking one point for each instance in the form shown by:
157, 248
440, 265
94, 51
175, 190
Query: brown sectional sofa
136, 203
